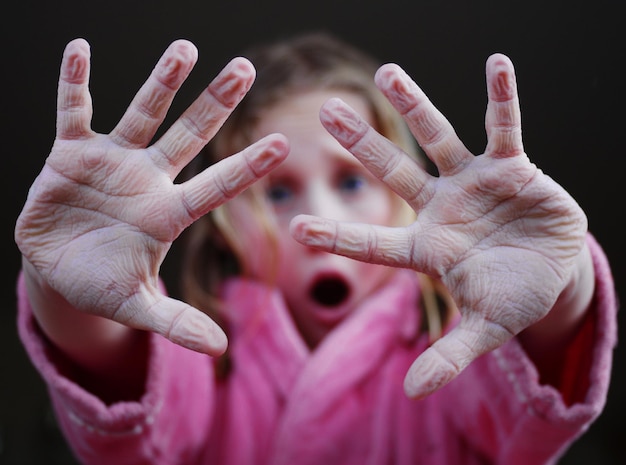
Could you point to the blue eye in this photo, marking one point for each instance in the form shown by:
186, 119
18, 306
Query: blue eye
279, 193
351, 183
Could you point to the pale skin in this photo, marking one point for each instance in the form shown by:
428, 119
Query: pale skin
505, 239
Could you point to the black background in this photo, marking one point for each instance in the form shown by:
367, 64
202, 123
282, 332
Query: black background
568, 57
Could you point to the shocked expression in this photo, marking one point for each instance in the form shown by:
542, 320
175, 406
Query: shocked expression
320, 177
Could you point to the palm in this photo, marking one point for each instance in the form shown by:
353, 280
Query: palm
497, 232
500, 234
104, 211
86, 200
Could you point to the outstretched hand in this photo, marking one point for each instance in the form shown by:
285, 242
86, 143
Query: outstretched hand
501, 235
103, 212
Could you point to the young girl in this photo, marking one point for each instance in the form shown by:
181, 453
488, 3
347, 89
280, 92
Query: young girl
476, 289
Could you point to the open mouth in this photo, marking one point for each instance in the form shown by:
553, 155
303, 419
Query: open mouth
330, 291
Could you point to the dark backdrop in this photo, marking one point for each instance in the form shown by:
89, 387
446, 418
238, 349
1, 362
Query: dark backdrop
568, 57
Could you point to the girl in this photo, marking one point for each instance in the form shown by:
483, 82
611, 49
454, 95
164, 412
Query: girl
320, 346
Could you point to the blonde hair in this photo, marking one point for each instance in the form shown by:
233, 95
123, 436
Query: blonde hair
313, 61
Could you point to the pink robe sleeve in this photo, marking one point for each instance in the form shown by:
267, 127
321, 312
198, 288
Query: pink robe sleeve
149, 431
514, 419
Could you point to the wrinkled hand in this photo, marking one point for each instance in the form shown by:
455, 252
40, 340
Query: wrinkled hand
500, 234
103, 212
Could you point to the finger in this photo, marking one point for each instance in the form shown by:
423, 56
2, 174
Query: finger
503, 117
377, 153
364, 242
149, 107
232, 175
74, 108
432, 130
174, 320
450, 355
204, 117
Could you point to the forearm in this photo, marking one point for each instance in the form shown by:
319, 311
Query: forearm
109, 356
546, 342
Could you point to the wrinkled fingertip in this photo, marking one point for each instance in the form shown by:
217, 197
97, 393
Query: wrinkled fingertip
197, 332
275, 148
428, 373
310, 230
243, 62
387, 71
78, 43
419, 387
499, 60
217, 342
233, 82
185, 47
413, 389
297, 226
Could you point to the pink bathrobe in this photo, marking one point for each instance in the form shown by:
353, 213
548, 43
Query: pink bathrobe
340, 404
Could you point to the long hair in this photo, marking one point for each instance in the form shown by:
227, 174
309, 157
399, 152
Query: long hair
313, 61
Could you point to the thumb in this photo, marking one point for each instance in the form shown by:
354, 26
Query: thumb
180, 323
450, 355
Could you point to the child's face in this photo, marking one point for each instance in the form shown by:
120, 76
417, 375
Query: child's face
320, 177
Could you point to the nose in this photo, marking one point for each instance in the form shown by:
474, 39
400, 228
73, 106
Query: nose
325, 202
